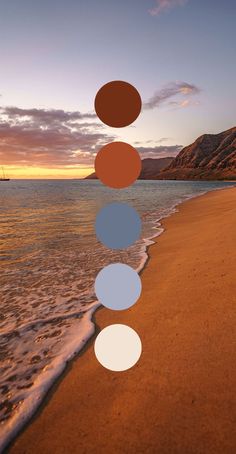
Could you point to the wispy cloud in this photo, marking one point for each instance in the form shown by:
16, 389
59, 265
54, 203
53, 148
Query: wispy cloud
46, 116
172, 90
184, 103
163, 6
159, 151
49, 138
161, 140
53, 138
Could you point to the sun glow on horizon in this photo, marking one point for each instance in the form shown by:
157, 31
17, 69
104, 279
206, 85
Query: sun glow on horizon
31, 172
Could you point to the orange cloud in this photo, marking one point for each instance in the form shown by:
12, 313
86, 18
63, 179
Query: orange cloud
169, 91
51, 139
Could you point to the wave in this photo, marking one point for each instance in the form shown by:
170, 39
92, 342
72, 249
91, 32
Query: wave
74, 341
34, 397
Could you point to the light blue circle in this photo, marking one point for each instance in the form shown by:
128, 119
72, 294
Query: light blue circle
118, 225
118, 286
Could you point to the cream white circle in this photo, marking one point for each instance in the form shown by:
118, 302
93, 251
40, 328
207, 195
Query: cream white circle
118, 347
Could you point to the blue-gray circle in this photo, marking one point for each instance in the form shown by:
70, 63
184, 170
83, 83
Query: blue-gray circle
118, 286
118, 225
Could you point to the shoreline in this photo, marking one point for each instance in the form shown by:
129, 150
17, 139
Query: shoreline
46, 382
66, 373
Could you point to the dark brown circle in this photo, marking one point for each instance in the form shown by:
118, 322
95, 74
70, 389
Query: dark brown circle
118, 104
118, 165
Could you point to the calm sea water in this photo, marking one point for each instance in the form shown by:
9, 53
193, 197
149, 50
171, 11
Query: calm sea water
49, 258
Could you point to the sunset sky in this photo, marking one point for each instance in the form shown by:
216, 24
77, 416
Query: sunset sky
55, 55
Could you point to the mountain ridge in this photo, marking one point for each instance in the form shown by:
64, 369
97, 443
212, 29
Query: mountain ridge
150, 168
211, 156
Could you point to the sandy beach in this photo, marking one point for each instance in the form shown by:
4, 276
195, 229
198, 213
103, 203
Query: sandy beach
180, 397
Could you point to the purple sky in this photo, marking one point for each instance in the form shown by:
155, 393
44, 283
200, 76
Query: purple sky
180, 55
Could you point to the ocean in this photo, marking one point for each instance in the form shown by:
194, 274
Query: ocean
49, 258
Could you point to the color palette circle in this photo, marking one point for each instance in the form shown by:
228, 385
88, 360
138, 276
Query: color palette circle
118, 104
118, 347
118, 225
118, 165
118, 286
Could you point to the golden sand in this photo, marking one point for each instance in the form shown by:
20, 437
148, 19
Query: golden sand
180, 397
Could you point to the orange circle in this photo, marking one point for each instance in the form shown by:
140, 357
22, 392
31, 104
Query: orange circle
117, 165
118, 104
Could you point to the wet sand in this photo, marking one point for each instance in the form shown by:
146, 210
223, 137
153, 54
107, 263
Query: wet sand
180, 397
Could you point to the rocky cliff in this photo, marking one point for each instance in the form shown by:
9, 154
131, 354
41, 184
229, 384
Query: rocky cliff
210, 157
150, 168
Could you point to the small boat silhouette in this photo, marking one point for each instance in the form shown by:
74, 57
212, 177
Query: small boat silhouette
4, 178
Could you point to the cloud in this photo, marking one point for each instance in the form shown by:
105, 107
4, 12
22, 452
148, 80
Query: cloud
171, 90
163, 139
184, 103
163, 6
49, 138
59, 139
159, 151
46, 116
